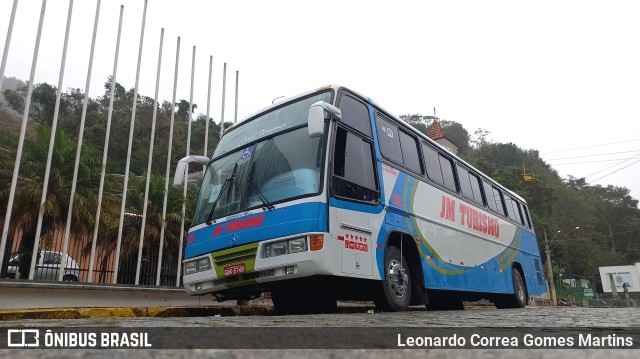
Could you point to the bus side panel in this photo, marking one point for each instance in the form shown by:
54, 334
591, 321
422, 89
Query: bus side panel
455, 253
534, 275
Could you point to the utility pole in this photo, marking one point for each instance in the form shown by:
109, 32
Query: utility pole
554, 298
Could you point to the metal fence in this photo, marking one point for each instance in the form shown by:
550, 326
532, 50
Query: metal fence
62, 254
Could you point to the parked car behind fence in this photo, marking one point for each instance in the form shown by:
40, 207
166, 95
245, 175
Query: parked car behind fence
47, 267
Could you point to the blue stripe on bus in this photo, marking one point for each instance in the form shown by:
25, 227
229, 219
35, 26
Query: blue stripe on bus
280, 222
492, 276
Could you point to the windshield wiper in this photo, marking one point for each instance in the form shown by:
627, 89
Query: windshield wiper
224, 187
260, 195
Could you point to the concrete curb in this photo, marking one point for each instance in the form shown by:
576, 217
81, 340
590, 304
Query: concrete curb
160, 312
169, 312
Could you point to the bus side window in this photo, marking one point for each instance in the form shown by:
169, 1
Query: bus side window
447, 173
491, 199
355, 114
475, 186
497, 194
518, 209
525, 214
353, 168
433, 164
465, 185
512, 208
388, 139
410, 155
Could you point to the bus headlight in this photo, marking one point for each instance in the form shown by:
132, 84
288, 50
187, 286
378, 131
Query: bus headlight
290, 246
297, 245
199, 265
276, 249
204, 264
190, 267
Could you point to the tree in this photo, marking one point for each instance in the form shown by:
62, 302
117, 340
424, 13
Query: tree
457, 133
43, 101
29, 190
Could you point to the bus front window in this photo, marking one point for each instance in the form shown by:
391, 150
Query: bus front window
280, 168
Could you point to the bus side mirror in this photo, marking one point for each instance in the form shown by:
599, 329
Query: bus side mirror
315, 121
183, 164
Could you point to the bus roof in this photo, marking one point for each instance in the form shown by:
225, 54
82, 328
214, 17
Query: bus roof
423, 136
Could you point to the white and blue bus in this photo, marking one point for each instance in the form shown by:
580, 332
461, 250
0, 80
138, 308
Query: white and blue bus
327, 196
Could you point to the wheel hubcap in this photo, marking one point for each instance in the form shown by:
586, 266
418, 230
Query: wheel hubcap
398, 278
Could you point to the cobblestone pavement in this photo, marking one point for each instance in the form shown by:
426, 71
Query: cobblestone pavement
530, 317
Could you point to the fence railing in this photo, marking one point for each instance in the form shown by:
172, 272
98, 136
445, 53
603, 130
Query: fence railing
36, 238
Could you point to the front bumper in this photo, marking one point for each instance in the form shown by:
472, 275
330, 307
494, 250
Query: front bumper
264, 270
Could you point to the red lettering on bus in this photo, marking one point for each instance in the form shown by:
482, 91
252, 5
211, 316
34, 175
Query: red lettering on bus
217, 231
477, 220
448, 209
241, 224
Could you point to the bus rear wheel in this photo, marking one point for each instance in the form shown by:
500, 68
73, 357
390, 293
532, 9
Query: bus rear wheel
519, 297
394, 293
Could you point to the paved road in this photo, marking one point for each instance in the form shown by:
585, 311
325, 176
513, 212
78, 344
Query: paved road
530, 317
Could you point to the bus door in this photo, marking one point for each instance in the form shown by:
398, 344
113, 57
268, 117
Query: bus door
354, 187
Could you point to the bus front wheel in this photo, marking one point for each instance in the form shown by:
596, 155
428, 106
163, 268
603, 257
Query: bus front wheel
394, 293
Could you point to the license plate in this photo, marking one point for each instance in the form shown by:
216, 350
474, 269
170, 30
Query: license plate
234, 270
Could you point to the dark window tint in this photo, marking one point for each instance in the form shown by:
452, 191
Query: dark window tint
516, 210
475, 186
353, 168
525, 214
355, 114
465, 185
432, 163
447, 173
497, 195
410, 152
51, 258
491, 200
512, 209
388, 139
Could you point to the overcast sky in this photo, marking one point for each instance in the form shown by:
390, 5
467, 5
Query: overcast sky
545, 75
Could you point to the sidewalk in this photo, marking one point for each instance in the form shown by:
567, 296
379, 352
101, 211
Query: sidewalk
76, 313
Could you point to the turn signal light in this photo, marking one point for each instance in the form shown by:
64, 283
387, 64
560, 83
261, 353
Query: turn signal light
316, 242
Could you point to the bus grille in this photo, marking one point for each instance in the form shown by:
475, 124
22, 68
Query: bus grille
239, 256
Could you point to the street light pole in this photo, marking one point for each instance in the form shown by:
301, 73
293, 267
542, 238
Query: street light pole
552, 285
563, 238
554, 298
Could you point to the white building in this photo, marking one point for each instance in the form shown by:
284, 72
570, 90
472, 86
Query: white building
436, 133
621, 274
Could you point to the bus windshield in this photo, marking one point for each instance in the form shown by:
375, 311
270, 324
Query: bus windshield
277, 168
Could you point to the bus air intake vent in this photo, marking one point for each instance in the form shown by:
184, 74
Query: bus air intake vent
240, 256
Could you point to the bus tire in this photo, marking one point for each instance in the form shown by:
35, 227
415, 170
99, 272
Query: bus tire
394, 293
519, 297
